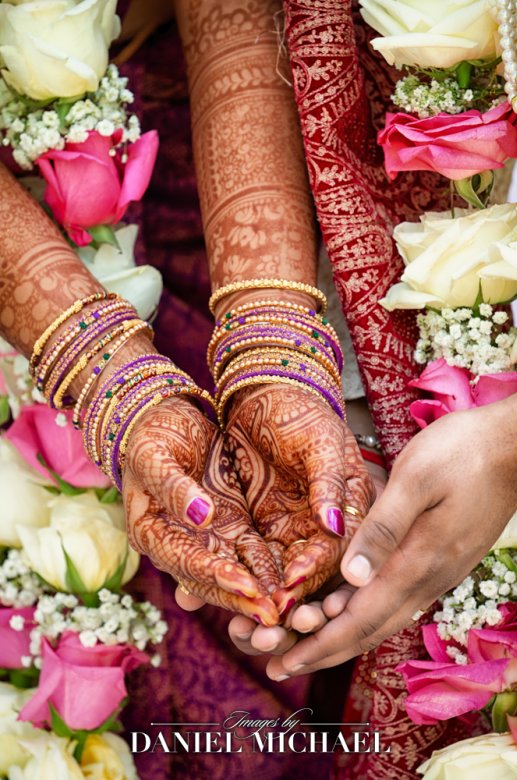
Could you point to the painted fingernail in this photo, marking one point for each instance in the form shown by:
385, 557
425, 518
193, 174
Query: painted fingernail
297, 581
335, 521
198, 510
288, 606
360, 567
258, 619
282, 677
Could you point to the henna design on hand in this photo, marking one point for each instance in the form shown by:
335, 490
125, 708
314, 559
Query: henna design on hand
226, 563
296, 459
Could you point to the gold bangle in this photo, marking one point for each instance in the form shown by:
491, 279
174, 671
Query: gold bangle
271, 284
75, 308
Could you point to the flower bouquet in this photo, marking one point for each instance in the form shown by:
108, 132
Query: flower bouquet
69, 634
458, 95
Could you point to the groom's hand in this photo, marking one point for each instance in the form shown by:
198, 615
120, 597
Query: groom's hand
452, 491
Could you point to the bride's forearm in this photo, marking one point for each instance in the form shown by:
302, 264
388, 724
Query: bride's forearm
40, 275
255, 199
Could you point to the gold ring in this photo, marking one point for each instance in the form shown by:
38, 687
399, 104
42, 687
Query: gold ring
183, 587
418, 614
351, 510
299, 541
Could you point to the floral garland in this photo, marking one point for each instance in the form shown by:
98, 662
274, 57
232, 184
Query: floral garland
458, 93
69, 634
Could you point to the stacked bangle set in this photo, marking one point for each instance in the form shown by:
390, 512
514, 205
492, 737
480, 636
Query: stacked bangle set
264, 342
116, 406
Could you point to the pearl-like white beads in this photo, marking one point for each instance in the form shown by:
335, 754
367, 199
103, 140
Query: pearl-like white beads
507, 15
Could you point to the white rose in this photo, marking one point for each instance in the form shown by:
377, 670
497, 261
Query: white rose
56, 48
24, 500
107, 757
13, 731
91, 533
432, 33
480, 758
50, 758
445, 258
117, 272
508, 538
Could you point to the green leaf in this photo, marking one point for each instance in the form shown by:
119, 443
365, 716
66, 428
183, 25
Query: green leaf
114, 583
64, 487
59, 726
5, 409
505, 557
471, 188
74, 580
464, 74
505, 704
24, 678
108, 495
104, 234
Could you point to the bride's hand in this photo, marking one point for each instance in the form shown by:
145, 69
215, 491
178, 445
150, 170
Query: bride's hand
175, 457
304, 481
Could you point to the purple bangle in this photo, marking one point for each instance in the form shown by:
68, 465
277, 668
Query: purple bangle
311, 321
117, 379
266, 336
76, 348
331, 400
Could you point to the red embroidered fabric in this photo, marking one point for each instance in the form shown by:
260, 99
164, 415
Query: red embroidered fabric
342, 90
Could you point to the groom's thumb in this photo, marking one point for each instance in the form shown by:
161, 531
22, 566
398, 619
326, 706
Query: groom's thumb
381, 532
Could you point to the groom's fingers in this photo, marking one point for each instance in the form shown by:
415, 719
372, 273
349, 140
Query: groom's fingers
256, 640
188, 601
384, 529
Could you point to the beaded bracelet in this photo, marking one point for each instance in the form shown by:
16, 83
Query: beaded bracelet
94, 377
306, 322
327, 392
271, 284
131, 326
45, 364
124, 377
78, 345
262, 379
75, 308
115, 449
95, 419
281, 359
269, 337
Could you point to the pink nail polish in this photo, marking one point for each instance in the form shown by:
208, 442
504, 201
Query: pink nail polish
296, 582
288, 606
335, 521
258, 619
198, 510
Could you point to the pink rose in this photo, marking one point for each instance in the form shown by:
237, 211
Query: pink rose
439, 689
14, 644
85, 685
452, 390
36, 432
457, 146
86, 186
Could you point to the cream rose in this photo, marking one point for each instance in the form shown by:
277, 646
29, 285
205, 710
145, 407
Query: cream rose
24, 500
56, 48
13, 731
432, 33
107, 757
445, 259
50, 758
490, 756
117, 271
91, 533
